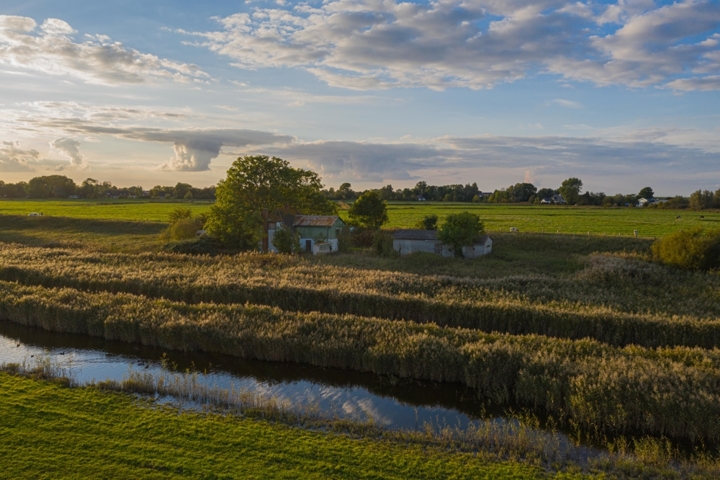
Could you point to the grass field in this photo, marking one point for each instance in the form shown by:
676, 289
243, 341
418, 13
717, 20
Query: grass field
50, 431
556, 219
131, 210
497, 218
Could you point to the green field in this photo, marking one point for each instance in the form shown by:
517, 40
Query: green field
557, 219
133, 210
54, 432
497, 218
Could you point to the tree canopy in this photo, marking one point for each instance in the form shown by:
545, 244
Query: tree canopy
459, 230
369, 210
646, 193
255, 183
570, 190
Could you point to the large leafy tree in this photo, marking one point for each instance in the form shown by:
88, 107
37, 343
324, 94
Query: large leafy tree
255, 183
459, 230
570, 190
369, 210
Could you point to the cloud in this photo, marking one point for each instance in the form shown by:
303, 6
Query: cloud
50, 49
632, 158
69, 148
567, 103
372, 44
14, 159
194, 148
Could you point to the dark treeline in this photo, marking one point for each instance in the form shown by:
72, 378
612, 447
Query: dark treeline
568, 193
421, 191
60, 186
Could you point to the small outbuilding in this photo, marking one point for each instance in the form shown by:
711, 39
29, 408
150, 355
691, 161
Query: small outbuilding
406, 242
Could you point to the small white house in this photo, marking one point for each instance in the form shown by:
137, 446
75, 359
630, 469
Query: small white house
34, 214
406, 242
644, 202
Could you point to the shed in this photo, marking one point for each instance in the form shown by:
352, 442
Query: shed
406, 242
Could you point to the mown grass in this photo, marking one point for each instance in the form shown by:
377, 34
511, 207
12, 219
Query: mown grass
497, 217
556, 219
107, 209
50, 431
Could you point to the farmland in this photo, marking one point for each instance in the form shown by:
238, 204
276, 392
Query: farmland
582, 329
497, 217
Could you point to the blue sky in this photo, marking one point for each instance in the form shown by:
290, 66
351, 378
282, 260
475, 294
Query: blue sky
621, 94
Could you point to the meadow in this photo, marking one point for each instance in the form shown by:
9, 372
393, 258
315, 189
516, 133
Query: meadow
648, 222
583, 329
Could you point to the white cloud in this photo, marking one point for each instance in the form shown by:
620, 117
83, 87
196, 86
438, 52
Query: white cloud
50, 49
567, 103
14, 159
380, 44
69, 148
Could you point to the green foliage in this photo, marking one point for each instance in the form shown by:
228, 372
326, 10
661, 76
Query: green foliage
520, 192
693, 249
286, 241
179, 214
369, 211
428, 223
646, 192
570, 190
256, 183
701, 199
383, 244
345, 241
459, 230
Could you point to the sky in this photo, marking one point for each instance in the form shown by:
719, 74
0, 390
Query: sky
622, 94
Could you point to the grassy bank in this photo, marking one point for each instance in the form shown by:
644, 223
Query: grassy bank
598, 388
619, 299
50, 431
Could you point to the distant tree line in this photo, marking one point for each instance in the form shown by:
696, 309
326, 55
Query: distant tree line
421, 191
60, 186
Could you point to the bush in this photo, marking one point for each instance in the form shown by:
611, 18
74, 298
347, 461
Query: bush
694, 249
428, 223
383, 244
362, 238
197, 246
184, 229
286, 241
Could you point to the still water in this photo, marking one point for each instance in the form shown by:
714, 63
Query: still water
345, 394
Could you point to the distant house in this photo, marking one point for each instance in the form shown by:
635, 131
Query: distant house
546, 200
73, 197
318, 233
34, 214
644, 202
421, 198
406, 242
558, 199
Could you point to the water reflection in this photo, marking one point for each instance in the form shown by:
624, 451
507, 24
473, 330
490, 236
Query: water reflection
346, 394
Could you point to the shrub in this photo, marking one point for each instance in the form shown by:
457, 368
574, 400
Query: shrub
694, 249
428, 223
184, 229
383, 244
286, 241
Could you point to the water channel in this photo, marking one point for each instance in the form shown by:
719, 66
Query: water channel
341, 393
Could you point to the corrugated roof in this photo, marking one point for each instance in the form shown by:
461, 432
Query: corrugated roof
415, 235
315, 220
426, 235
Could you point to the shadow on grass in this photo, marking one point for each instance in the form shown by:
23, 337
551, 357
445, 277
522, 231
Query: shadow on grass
112, 235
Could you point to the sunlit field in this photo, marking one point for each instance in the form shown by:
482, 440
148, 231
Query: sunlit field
527, 218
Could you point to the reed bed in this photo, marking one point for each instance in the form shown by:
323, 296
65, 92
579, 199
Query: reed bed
608, 300
596, 387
